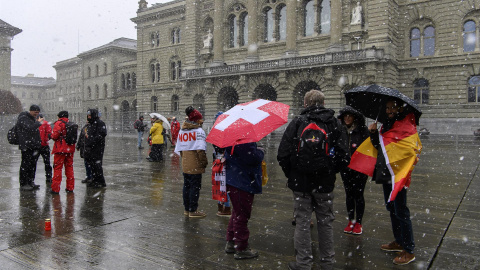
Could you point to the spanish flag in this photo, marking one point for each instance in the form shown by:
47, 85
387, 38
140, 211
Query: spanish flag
401, 147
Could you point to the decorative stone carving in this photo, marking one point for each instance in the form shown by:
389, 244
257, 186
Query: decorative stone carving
207, 39
357, 14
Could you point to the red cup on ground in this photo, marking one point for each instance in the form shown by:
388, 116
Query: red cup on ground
48, 224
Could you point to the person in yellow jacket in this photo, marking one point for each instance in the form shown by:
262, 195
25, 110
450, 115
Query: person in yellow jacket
156, 133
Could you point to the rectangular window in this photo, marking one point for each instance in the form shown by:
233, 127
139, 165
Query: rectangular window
471, 94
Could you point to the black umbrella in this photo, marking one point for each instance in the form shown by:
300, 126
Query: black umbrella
370, 100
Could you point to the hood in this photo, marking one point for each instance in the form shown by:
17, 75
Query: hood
359, 118
158, 121
319, 113
93, 114
190, 125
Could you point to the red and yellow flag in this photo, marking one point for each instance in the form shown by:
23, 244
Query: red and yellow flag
401, 147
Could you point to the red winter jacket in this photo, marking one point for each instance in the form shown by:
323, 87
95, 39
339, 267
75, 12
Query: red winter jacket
45, 132
58, 135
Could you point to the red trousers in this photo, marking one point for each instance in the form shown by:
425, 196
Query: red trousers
59, 160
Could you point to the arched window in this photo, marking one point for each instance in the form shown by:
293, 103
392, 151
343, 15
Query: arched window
175, 103
152, 39
415, 42
473, 94
152, 72
129, 82
154, 104
421, 94
233, 28
89, 72
105, 69
268, 24
244, 29
157, 71
89, 92
173, 70
122, 81
179, 69
469, 36
105, 90
199, 103
422, 40
175, 35
97, 92
157, 37
309, 18
282, 22
429, 41
134, 81
325, 17
97, 72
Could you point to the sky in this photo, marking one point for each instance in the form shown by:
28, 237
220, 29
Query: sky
56, 30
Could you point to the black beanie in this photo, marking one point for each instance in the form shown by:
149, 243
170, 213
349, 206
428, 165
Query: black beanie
34, 108
63, 114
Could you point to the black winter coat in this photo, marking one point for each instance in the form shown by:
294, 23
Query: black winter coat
297, 179
95, 137
28, 132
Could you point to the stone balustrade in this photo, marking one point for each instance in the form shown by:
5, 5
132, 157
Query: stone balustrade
328, 59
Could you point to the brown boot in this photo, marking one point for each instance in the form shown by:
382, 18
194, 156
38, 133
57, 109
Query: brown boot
220, 208
392, 246
404, 258
227, 211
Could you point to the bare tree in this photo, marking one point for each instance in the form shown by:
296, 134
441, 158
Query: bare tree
9, 104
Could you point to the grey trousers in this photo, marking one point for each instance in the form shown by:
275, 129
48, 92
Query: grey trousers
322, 204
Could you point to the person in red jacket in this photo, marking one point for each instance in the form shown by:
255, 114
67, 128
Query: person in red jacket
45, 135
63, 155
175, 128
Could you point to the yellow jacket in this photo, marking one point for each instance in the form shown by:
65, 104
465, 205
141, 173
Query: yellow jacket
156, 132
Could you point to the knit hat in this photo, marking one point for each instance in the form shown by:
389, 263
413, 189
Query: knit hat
193, 114
34, 108
62, 114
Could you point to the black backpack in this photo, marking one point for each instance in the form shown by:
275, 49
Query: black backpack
12, 136
72, 132
314, 151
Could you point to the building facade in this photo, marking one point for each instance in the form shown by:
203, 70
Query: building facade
68, 94
35, 90
214, 54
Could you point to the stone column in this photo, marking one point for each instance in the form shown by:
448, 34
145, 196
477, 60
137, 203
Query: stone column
218, 34
291, 46
252, 30
336, 26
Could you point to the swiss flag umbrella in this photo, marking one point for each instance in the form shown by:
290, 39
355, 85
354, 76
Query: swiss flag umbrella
248, 122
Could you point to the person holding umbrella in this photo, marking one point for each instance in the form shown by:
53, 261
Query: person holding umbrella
156, 133
353, 181
237, 130
390, 156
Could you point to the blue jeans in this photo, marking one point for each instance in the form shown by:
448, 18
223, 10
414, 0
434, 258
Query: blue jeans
192, 183
140, 138
400, 217
88, 170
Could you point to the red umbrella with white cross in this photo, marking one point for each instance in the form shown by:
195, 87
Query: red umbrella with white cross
248, 122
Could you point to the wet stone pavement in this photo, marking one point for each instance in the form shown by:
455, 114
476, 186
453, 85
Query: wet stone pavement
137, 222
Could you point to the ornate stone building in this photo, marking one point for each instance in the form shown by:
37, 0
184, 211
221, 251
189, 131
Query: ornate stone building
7, 32
108, 75
68, 94
217, 53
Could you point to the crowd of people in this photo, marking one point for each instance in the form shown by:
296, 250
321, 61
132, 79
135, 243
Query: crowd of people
315, 147
34, 133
